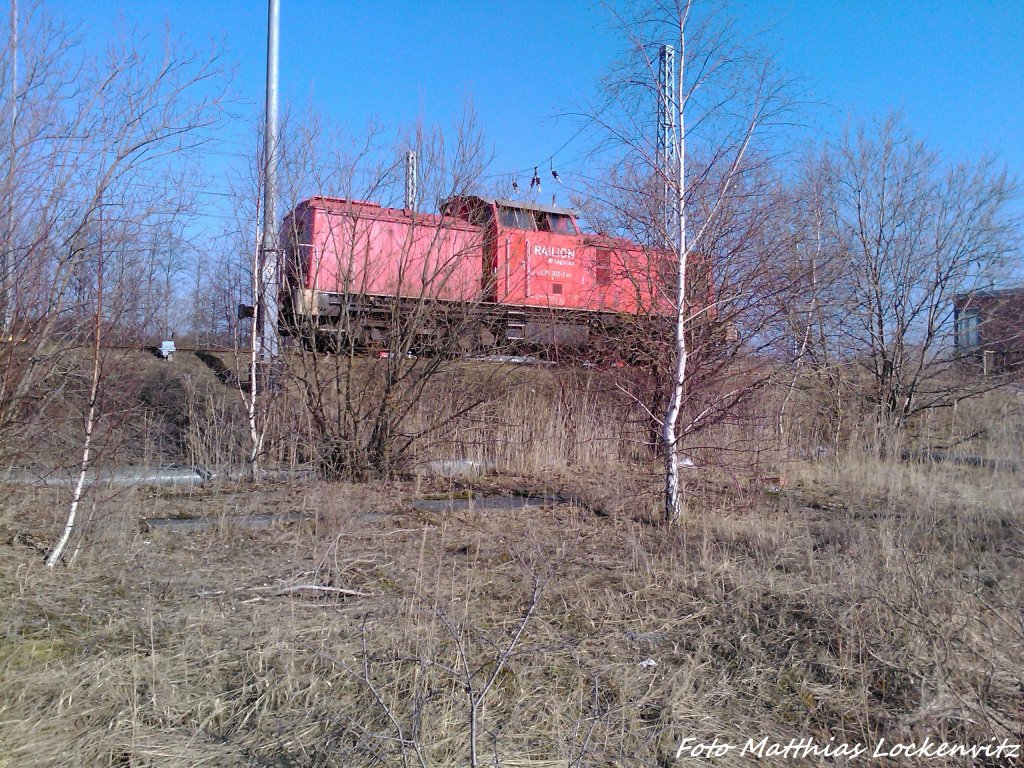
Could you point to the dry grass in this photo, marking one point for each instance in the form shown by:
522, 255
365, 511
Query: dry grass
865, 601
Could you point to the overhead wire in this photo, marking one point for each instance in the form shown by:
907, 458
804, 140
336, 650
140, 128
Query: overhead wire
549, 160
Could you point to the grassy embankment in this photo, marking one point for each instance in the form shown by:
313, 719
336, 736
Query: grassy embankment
868, 599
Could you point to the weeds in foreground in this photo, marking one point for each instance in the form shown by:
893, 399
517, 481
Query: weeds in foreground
865, 601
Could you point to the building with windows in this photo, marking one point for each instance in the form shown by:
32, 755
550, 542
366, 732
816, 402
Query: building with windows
989, 327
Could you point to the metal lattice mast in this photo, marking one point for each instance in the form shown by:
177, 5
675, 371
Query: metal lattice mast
269, 251
668, 144
410, 180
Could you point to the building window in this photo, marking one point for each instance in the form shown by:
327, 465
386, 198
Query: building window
968, 330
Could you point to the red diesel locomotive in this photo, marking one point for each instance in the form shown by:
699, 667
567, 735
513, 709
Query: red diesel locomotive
527, 274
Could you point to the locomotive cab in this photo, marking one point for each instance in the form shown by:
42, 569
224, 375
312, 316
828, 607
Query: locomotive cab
536, 257
512, 214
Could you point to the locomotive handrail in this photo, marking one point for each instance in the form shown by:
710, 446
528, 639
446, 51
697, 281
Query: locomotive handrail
526, 266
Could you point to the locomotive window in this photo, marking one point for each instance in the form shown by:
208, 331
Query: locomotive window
516, 218
559, 223
481, 216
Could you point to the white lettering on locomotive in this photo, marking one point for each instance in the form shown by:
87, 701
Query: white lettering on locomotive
564, 257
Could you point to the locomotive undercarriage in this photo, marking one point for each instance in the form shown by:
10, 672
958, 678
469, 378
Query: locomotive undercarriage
366, 324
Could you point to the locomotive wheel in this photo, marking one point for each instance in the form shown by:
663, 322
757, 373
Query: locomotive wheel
372, 341
329, 342
322, 342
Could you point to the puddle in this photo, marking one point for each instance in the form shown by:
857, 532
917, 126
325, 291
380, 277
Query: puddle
490, 503
480, 503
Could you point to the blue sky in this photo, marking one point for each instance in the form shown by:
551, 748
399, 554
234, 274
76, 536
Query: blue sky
956, 69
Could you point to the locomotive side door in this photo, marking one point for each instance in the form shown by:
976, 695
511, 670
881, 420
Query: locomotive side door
482, 215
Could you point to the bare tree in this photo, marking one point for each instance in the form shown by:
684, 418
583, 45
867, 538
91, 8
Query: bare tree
362, 365
236, 290
95, 138
906, 233
89, 424
112, 134
387, 350
702, 208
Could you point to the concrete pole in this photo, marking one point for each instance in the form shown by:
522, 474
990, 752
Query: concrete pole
269, 251
7, 262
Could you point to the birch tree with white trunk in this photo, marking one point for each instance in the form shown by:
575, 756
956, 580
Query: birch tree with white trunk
96, 138
703, 209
